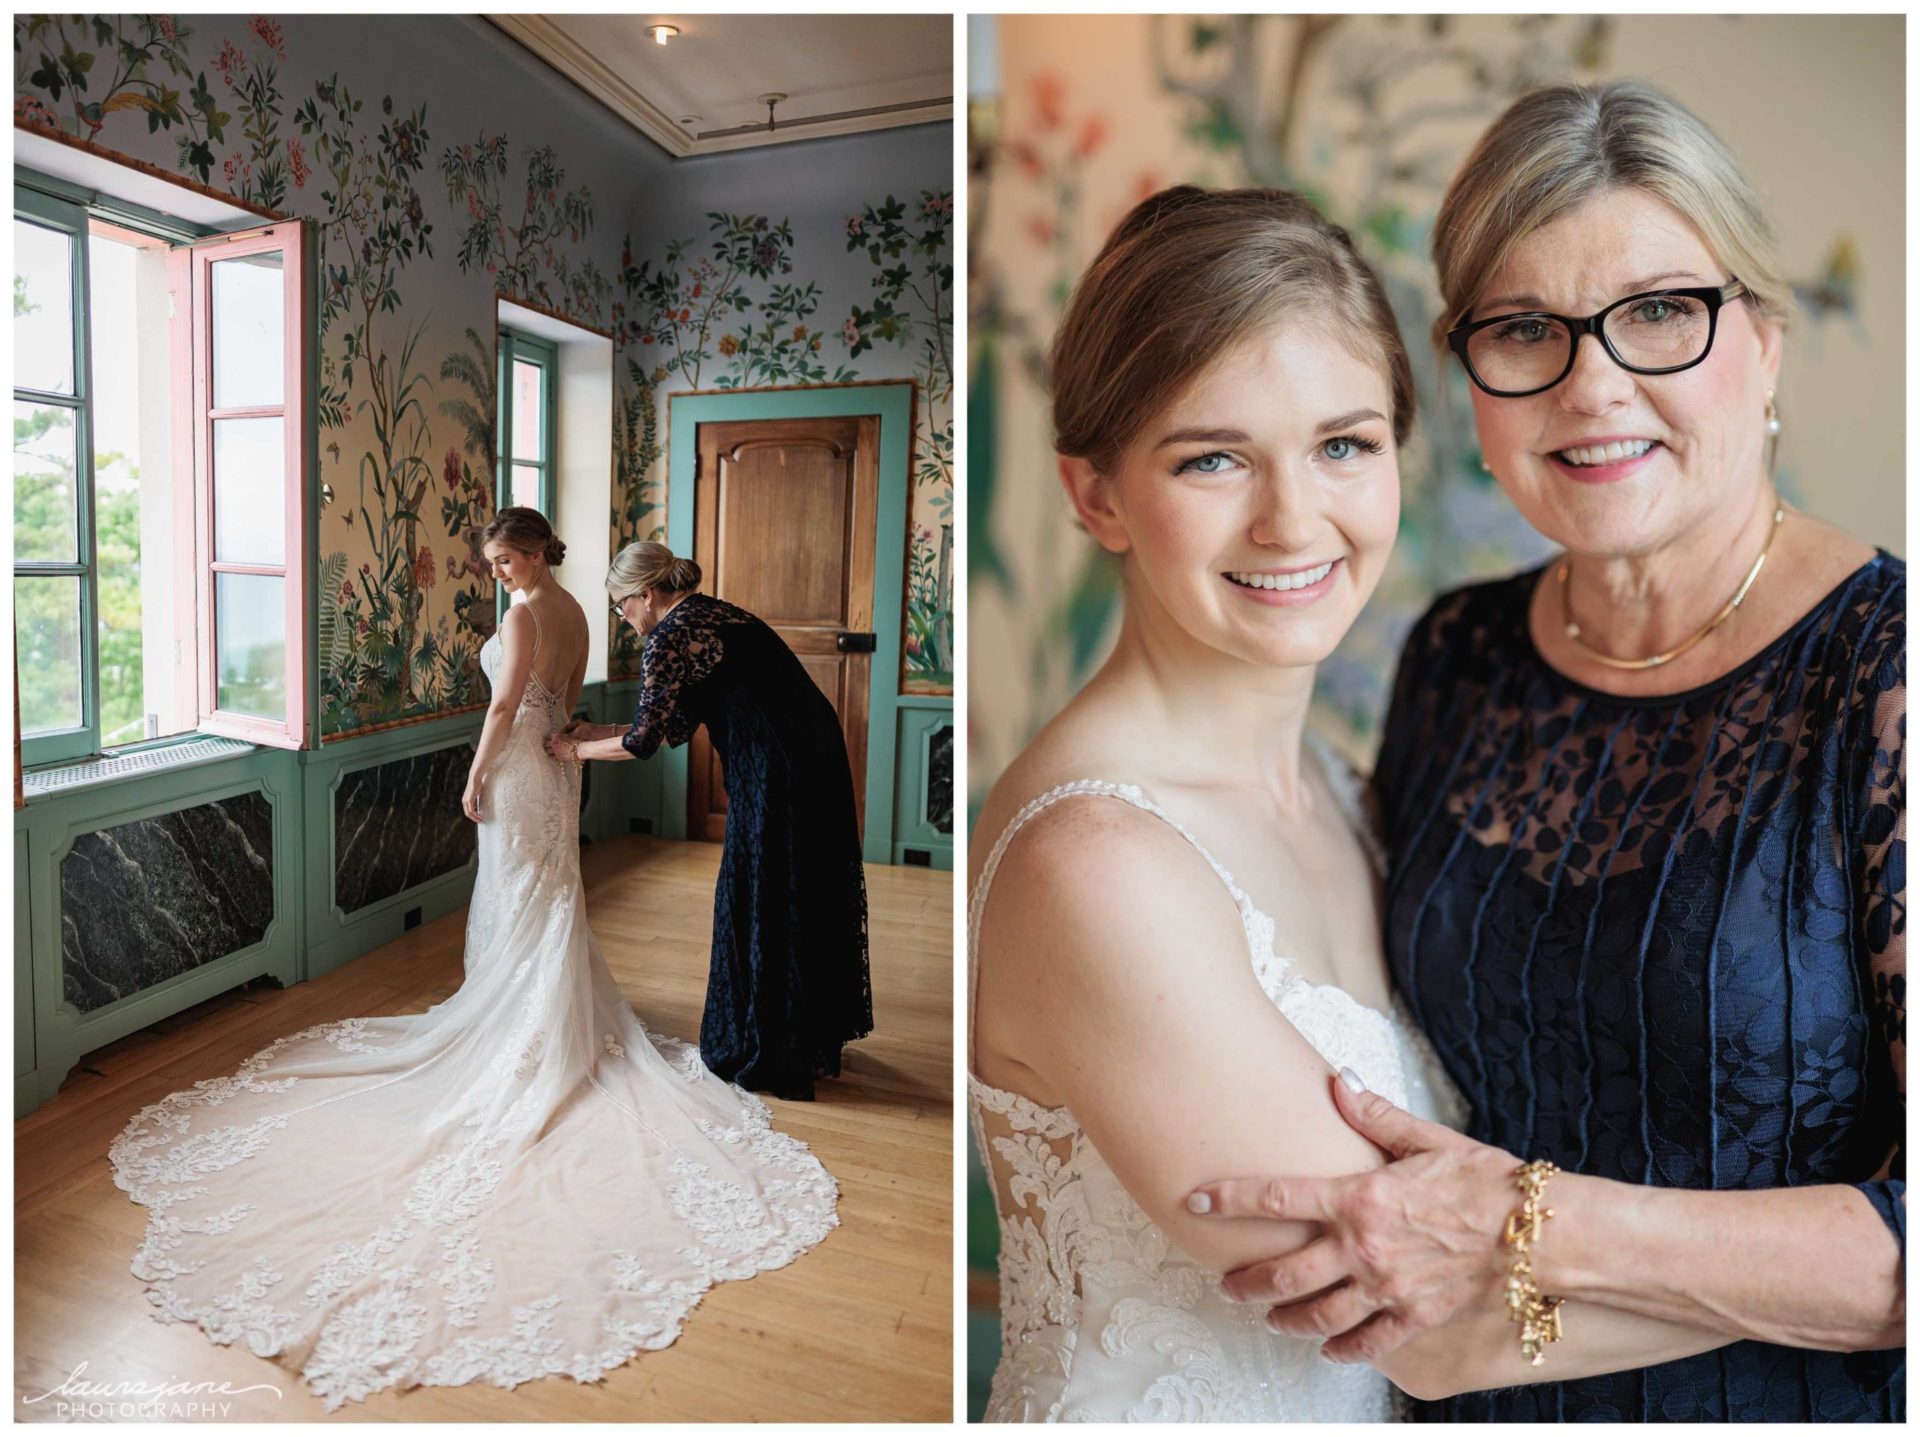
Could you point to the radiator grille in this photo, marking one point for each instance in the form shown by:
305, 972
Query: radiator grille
150, 760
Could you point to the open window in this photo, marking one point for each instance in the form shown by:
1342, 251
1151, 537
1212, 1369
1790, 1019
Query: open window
249, 439
162, 436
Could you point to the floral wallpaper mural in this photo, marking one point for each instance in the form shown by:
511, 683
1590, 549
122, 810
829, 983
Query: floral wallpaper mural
62, 90
912, 309
423, 211
1369, 116
530, 260
721, 313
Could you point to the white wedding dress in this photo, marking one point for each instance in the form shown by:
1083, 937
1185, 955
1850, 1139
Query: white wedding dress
517, 1183
1102, 1319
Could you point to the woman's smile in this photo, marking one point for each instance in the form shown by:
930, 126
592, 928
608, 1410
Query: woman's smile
1603, 461
1285, 587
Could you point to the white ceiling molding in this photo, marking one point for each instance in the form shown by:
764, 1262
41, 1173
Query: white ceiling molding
540, 34
743, 56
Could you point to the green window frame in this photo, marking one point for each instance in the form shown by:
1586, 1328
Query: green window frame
527, 442
55, 745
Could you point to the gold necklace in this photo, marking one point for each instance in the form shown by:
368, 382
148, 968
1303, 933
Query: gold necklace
1656, 660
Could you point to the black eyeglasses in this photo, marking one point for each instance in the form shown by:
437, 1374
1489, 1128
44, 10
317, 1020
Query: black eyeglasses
619, 606
1660, 332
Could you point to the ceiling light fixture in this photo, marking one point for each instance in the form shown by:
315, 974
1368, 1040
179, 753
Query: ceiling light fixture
770, 100
660, 34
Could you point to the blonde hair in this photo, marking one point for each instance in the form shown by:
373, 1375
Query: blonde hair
528, 531
1555, 148
1188, 274
649, 564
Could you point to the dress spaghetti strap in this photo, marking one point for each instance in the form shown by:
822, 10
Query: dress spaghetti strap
535, 615
1127, 793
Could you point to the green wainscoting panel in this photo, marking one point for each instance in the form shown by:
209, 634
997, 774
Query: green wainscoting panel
45, 831
925, 726
893, 403
22, 953
600, 784
335, 936
626, 792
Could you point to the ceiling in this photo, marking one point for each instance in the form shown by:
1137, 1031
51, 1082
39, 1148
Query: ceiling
700, 93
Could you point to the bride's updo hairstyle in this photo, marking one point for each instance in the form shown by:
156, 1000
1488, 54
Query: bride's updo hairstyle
650, 565
1188, 275
528, 531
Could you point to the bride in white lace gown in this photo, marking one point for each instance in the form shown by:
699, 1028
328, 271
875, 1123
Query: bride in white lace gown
521, 1181
1174, 938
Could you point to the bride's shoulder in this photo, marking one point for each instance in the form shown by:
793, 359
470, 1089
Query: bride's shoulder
1089, 866
576, 613
1057, 757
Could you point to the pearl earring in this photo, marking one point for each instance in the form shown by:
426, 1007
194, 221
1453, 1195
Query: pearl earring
1773, 418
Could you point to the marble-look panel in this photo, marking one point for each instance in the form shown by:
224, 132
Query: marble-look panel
399, 824
144, 901
940, 779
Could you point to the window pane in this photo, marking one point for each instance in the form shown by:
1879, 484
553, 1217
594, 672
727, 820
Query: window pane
46, 619
132, 430
526, 485
42, 308
116, 521
250, 646
45, 456
249, 490
249, 333
527, 417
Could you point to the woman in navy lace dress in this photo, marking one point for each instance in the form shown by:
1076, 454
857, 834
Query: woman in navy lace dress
789, 980
1646, 811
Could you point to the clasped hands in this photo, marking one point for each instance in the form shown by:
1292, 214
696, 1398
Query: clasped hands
1402, 1248
565, 745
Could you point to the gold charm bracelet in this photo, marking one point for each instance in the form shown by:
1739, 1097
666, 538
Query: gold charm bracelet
1537, 1314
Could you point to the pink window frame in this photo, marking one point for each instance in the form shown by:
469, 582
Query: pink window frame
293, 730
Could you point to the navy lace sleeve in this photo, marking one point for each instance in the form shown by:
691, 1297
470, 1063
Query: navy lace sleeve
1881, 828
683, 648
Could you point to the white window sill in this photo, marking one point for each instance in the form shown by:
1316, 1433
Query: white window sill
190, 752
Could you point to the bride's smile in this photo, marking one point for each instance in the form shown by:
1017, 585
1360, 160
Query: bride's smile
1285, 586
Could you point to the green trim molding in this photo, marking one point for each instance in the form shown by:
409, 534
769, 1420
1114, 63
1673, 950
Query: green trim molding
71, 219
924, 719
23, 1045
893, 403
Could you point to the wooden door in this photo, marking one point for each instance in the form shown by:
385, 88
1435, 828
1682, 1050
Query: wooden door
784, 514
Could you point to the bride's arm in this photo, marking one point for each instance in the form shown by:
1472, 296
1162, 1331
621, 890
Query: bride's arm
1117, 983
516, 662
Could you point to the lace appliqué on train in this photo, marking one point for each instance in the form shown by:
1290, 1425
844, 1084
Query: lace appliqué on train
521, 1182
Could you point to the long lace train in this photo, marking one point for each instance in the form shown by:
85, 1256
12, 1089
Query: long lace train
520, 1182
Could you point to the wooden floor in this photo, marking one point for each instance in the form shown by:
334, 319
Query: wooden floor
859, 1329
